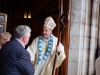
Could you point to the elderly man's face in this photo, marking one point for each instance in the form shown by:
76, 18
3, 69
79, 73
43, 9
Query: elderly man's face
46, 32
26, 39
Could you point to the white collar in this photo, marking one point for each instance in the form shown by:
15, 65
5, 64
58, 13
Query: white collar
20, 42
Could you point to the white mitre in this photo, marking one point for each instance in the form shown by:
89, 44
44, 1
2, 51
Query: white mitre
49, 23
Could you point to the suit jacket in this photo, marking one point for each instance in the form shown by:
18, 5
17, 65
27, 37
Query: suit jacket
15, 60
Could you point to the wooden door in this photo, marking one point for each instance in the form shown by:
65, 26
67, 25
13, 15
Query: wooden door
65, 6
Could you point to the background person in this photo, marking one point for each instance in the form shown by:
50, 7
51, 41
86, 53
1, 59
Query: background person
4, 37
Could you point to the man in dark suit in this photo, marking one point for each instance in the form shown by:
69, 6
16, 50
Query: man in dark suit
14, 58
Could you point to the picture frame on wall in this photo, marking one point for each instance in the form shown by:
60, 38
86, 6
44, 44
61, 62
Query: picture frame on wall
2, 27
3, 22
2, 18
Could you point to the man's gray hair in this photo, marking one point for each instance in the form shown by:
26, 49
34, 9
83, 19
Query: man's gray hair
21, 31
